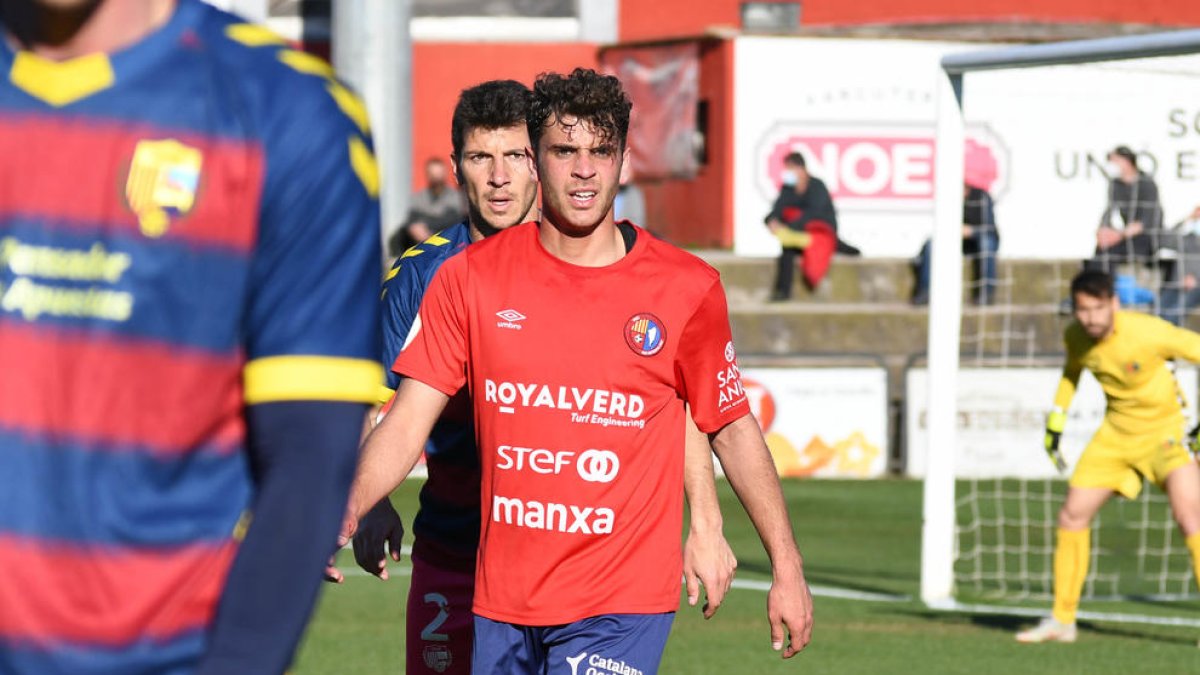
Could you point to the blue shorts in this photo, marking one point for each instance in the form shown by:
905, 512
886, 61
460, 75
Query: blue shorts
599, 645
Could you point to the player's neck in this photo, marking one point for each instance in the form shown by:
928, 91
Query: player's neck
105, 26
599, 247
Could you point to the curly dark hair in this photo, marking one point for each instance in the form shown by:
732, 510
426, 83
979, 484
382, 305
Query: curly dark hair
1094, 284
596, 99
495, 104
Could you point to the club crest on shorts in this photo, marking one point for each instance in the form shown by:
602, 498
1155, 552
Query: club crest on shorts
437, 658
162, 181
645, 334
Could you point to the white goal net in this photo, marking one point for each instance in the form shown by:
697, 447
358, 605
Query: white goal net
996, 354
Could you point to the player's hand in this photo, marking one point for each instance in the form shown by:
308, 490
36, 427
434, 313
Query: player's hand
1056, 421
381, 525
790, 611
349, 525
708, 561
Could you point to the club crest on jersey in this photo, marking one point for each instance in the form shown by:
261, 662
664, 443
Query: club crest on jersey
645, 334
163, 177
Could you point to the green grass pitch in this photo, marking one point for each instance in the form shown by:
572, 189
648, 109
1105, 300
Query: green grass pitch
862, 536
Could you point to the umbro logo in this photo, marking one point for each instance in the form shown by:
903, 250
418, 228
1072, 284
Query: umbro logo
510, 318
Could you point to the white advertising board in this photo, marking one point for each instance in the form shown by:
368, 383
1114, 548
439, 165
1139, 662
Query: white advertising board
1002, 420
863, 114
822, 422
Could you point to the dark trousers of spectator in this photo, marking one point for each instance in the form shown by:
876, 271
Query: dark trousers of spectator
983, 248
1175, 303
1138, 249
785, 273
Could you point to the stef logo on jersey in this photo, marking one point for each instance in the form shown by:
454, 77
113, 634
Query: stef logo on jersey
163, 177
645, 334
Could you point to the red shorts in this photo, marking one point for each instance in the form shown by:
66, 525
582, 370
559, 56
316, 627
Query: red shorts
439, 622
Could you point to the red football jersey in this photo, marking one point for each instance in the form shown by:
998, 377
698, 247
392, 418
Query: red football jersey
579, 377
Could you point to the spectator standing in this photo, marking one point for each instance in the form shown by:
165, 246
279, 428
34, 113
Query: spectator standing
436, 207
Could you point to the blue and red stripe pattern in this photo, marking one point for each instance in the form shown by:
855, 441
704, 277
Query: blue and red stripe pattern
187, 227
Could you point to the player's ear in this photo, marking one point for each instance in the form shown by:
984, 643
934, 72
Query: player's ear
455, 168
1116, 302
531, 157
625, 167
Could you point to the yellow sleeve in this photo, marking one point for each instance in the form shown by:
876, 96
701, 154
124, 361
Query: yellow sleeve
1179, 343
1070, 379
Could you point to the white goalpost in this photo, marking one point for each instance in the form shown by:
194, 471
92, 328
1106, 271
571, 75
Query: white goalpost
987, 541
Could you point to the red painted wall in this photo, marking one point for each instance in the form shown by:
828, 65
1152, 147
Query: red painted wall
1164, 12
441, 70
699, 212
655, 19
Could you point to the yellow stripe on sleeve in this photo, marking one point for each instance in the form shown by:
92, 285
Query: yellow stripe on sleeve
364, 165
306, 63
312, 378
391, 274
253, 35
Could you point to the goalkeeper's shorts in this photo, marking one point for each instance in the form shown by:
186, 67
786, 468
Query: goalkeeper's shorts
1119, 461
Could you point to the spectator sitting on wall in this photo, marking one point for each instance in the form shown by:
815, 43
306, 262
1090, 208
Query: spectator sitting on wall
1131, 227
805, 222
1179, 297
980, 239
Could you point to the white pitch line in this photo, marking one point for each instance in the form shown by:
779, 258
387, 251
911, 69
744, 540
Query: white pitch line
405, 570
1113, 617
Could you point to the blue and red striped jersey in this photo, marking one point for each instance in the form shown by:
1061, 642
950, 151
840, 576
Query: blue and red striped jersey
187, 226
446, 528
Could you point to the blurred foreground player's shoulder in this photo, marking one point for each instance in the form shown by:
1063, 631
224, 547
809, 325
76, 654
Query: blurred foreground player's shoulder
318, 196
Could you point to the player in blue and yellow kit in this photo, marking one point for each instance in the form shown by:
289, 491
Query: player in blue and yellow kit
188, 246
490, 146
1141, 437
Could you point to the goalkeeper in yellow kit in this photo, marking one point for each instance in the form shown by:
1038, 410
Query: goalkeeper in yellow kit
1142, 435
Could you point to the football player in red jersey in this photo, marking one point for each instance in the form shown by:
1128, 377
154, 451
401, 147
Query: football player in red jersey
581, 453
490, 142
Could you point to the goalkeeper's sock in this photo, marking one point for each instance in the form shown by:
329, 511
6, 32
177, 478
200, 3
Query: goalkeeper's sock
1193, 544
1070, 571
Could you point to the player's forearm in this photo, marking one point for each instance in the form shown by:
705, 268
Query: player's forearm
303, 456
1066, 389
393, 447
388, 455
751, 473
699, 483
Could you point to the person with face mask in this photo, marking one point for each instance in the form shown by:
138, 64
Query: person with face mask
1131, 226
804, 221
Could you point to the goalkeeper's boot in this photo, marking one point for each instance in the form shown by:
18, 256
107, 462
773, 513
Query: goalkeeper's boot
1048, 630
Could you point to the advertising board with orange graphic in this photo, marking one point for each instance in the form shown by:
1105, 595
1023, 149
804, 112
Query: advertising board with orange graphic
822, 422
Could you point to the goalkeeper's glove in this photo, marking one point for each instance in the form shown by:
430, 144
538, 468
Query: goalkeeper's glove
1055, 422
1193, 440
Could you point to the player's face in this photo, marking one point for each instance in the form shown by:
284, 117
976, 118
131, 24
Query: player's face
580, 171
497, 171
1095, 315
